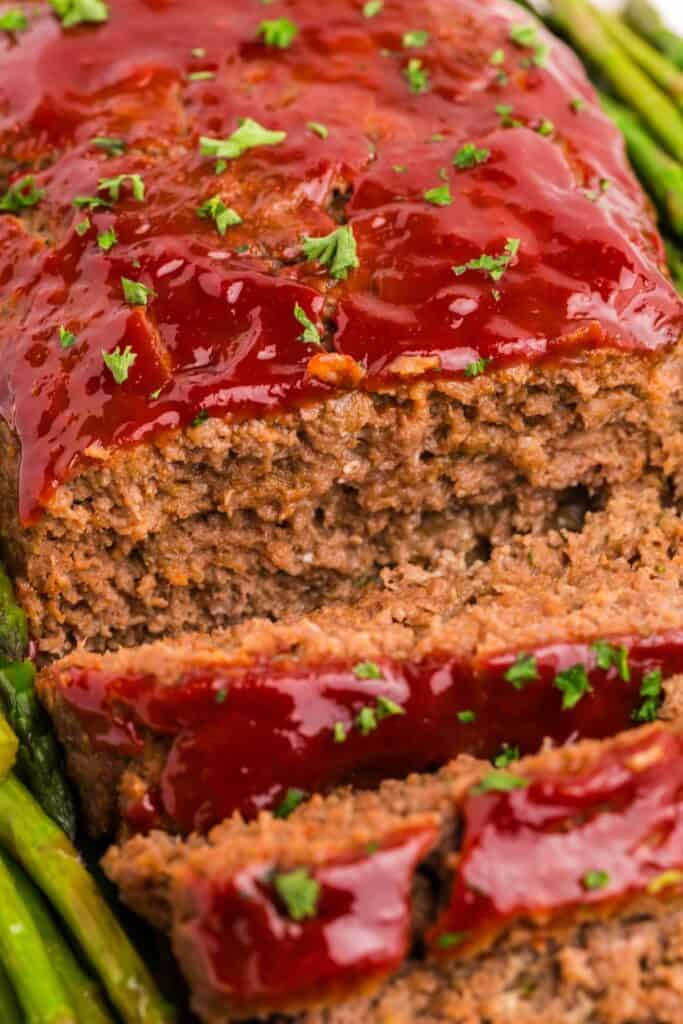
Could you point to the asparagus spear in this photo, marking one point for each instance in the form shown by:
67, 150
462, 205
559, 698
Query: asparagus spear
584, 28
51, 861
81, 990
26, 961
8, 748
675, 257
644, 18
9, 1008
13, 626
661, 70
662, 176
38, 760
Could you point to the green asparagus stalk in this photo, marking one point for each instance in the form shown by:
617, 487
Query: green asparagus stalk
675, 258
645, 19
9, 1008
583, 27
82, 991
13, 626
660, 70
8, 748
26, 961
662, 176
38, 760
51, 861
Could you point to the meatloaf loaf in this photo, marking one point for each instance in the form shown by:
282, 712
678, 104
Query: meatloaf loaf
472, 865
291, 295
567, 635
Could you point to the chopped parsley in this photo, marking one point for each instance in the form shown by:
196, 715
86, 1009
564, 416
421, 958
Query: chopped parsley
651, 697
299, 893
339, 732
524, 670
113, 186
497, 58
366, 721
439, 196
387, 708
107, 239
466, 717
66, 338
507, 755
505, 111
368, 718
415, 39
311, 334
13, 21
278, 32
526, 37
83, 226
249, 135
607, 655
135, 293
545, 128
80, 12
367, 670
22, 195
223, 216
663, 881
201, 76
113, 147
447, 940
291, 800
595, 880
222, 694
470, 155
499, 782
200, 418
336, 250
318, 129
90, 203
417, 76
372, 8
476, 367
577, 104
574, 684
494, 266
119, 363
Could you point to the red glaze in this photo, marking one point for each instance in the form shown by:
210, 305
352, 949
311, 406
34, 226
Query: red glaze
221, 336
527, 852
239, 739
251, 950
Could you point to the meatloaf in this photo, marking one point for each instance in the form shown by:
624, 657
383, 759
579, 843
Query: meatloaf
470, 864
292, 295
567, 635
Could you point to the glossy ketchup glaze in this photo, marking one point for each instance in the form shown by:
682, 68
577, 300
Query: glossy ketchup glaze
591, 838
358, 929
237, 740
218, 335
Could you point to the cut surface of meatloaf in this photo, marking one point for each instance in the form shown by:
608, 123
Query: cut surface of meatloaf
297, 914
288, 299
567, 635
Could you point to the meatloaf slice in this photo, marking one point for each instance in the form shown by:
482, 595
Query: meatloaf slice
341, 292
287, 915
562, 636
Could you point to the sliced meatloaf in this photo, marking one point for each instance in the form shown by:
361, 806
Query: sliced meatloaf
281, 916
291, 296
560, 636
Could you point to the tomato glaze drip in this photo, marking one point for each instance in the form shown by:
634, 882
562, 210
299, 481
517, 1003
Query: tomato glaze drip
238, 740
587, 839
360, 929
219, 335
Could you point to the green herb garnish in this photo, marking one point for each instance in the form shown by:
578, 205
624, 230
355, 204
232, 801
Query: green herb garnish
135, 293
223, 216
249, 135
113, 147
336, 250
439, 196
299, 893
476, 367
278, 32
291, 800
119, 363
107, 239
494, 266
417, 76
574, 684
367, 670
21, 195
80, 12
318, 129
595, 880
415, 39
651, 697
470, 155
66, 338
13, 20
311, 334
524, 670
499, 782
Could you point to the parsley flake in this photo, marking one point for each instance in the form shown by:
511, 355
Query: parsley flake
497, 58
66, 338
113, 186
223, 216
135, 293
524, 670
372, 8
113, 147
339, 732
506, 756
494, 266
278, 32
574, 684
336, 250
291, 800
415, 39
387, 708
80, 12
13, 21
439, 196
595, 880
651, 697
366, 721
83, 226
119, 363
299, 893
504, 111
545, 128
606, 655
248, 135
499, 782
21, 195
318, 129
367, 670
201, 417
417, 76
201, 76
222, 694
526, 37
476, 367
466, 717
311, 334
470, 155
447, 940
577, 104
107, 239
90, 203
